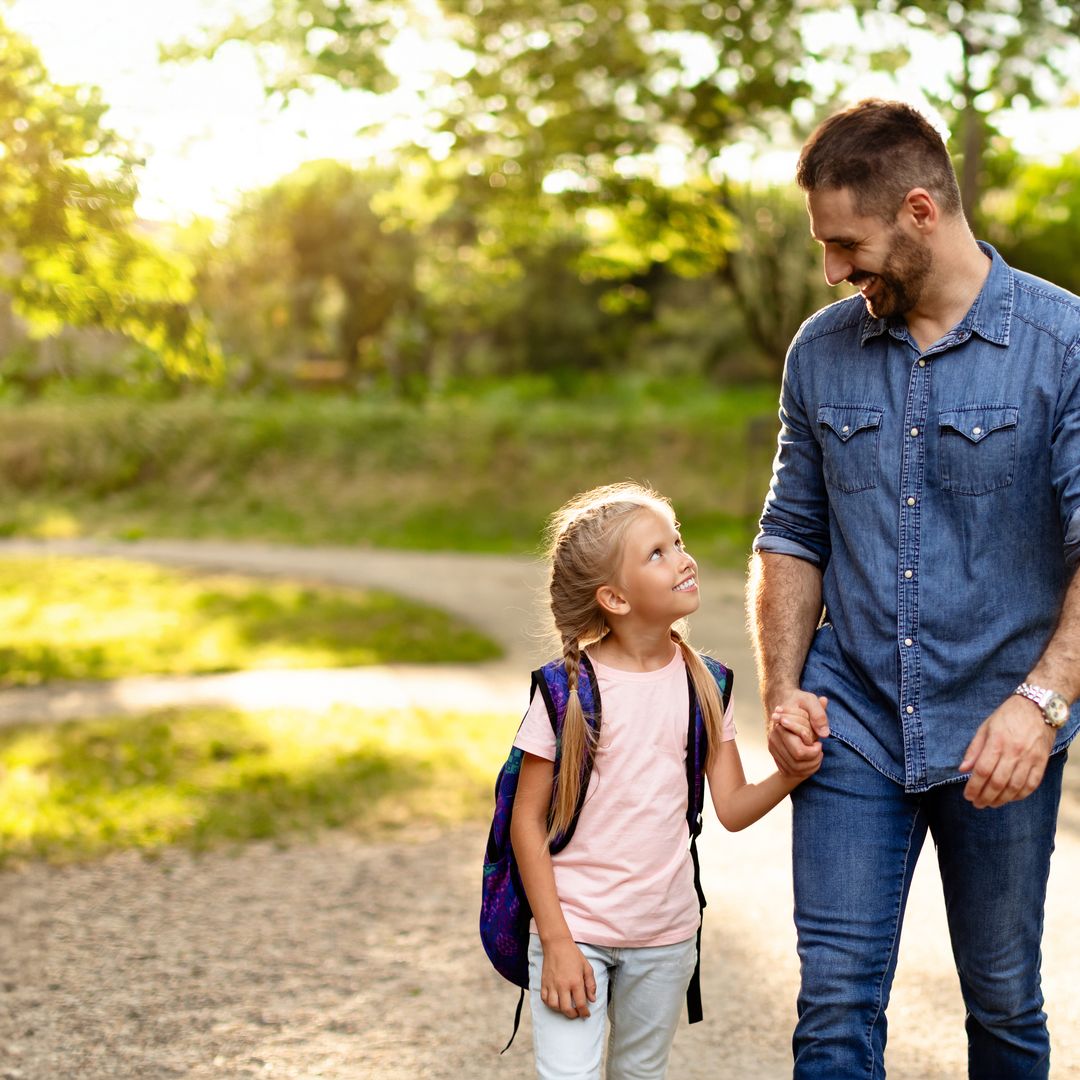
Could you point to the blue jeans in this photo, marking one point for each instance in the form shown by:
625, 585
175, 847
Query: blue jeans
639, 999
856, 838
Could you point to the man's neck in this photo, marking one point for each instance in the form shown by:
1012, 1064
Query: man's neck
951, 290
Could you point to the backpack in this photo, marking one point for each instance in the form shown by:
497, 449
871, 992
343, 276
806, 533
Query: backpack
504, 908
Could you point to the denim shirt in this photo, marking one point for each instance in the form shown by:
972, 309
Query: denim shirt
939, 493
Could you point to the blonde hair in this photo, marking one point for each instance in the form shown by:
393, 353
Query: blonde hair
584, 547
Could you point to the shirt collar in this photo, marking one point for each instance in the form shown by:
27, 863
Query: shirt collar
990, 316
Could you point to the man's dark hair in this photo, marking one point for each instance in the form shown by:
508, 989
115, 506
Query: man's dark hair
879, 150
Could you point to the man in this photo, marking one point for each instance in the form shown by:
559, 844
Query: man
926, 494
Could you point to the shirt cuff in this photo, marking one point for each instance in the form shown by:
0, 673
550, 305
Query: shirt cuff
779, 545
1072, 541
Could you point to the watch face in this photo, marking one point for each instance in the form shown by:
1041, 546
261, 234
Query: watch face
1056, 710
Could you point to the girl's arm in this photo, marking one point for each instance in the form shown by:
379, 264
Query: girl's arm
567, 981
738, 803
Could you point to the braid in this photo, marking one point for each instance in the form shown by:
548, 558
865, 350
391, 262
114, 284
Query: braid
577, 740
571, 652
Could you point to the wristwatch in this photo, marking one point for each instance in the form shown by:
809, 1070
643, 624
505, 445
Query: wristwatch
1055, 708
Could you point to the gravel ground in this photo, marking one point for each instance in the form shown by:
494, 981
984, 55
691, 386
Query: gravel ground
353, 960
347, 959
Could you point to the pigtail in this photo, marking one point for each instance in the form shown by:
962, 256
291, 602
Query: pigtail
712, 708
577, 745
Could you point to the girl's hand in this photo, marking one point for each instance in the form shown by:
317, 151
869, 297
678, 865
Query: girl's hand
797, 721
804, 743
567, 981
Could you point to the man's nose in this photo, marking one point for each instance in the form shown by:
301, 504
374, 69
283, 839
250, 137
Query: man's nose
837, 267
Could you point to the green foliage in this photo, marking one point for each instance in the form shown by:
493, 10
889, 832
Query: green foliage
103, 619
71, 252
309, 269
1033, 218
477, 471
203, 777
547, 129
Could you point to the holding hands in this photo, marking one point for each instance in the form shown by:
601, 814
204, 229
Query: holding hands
795, 729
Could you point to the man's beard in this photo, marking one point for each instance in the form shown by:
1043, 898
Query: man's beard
902, 278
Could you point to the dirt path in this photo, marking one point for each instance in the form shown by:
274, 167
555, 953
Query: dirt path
350, 960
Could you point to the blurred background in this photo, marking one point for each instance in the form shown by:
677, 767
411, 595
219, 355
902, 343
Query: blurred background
311, 311
410, 274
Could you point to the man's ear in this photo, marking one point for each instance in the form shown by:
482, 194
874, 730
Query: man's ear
611, 601
920, 210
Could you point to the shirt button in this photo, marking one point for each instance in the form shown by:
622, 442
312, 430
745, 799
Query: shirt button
922, 363
846, 427
911, 500
909, 573
908, 641
914, 432
976, 431
910, 709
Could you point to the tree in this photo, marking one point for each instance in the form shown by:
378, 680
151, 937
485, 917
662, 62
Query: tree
310, 268
71, 253
553, 111
1007, 54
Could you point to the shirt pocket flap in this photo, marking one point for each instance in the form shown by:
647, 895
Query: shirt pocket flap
845, 420
977, 422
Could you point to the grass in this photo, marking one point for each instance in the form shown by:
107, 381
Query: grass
71, 618
205, 777
468, 472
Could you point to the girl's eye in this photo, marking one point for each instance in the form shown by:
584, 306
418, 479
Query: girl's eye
679, 543
656, 553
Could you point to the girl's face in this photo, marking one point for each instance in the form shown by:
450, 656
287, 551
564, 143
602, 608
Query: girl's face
657, 575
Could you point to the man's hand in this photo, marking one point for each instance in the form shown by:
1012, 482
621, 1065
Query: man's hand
794, 756
1008, 756
567, 981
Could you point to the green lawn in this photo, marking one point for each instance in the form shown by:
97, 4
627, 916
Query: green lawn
73, 618
478, 472
203, 777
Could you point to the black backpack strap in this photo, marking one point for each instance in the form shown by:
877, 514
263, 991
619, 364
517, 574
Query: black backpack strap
694, 767
696, 755
517, 1021
693, 991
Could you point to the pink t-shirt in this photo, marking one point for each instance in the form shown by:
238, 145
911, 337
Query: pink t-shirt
626, 878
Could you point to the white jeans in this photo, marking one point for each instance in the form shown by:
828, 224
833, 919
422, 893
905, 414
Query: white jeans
644, 990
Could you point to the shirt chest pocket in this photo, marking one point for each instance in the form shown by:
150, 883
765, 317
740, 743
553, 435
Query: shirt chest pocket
977, 448
849, 446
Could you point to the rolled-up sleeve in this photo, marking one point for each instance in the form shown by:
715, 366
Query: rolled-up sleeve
795, 519
1065, 455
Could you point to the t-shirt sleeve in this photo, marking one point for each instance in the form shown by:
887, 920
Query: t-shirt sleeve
535, 735
727, 728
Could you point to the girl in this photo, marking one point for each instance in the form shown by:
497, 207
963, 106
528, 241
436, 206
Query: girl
615, 912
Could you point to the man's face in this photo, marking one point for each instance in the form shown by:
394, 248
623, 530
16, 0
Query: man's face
889, 267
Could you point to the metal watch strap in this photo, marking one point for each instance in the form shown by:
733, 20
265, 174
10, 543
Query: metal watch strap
1032, 692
